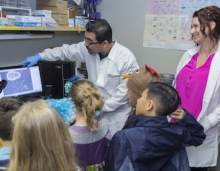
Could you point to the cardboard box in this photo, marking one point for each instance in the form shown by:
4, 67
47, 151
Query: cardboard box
63, 25
60, 17
59, 10
62, 22
56, 3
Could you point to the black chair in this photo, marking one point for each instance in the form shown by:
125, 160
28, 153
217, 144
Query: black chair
167, 78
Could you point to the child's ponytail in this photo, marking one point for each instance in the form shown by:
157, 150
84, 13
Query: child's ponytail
88, 100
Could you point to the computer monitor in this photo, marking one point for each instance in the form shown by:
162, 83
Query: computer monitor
20, 81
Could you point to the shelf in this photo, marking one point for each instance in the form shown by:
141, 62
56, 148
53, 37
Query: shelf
16, 28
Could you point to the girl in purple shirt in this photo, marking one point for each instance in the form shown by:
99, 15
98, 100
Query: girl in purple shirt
89, 135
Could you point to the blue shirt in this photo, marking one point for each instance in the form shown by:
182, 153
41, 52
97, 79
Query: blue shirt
5, 153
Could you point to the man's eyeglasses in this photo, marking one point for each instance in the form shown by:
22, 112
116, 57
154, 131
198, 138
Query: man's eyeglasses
89, 42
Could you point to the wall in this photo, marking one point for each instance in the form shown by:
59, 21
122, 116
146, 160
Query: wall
15, 51
127, 20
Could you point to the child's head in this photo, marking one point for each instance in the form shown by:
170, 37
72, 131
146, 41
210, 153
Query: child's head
41, 140
87, 100
8, 108
138, 82
159, 99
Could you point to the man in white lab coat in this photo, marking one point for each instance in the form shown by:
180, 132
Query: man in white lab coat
106, 60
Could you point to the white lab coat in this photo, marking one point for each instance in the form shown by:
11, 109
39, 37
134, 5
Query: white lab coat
206, 154
105, 74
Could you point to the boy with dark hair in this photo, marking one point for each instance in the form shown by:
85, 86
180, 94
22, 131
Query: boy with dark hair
8, 108
161, 100
151, 142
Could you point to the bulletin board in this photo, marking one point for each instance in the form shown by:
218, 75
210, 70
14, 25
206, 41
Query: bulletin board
168, 22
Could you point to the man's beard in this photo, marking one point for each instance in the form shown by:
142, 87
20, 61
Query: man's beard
89, 50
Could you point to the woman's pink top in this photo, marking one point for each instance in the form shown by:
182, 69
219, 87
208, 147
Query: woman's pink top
191, 84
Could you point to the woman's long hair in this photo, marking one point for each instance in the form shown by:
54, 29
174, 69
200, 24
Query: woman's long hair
41, 140
87, 100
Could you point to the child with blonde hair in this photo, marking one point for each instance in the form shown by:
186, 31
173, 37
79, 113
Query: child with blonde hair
89, 135
41, 140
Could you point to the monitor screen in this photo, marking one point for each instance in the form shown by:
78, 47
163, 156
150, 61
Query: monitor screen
20, 81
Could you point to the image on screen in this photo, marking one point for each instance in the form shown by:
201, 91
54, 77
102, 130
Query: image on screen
18, 81
21, 81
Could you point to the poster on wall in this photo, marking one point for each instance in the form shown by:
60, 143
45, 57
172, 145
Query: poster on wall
168, 22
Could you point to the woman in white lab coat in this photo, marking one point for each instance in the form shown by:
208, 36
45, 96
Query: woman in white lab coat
198, 82
106, 60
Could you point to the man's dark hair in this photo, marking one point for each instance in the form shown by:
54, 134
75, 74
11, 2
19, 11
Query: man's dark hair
101, 29
165, 97
8, 108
